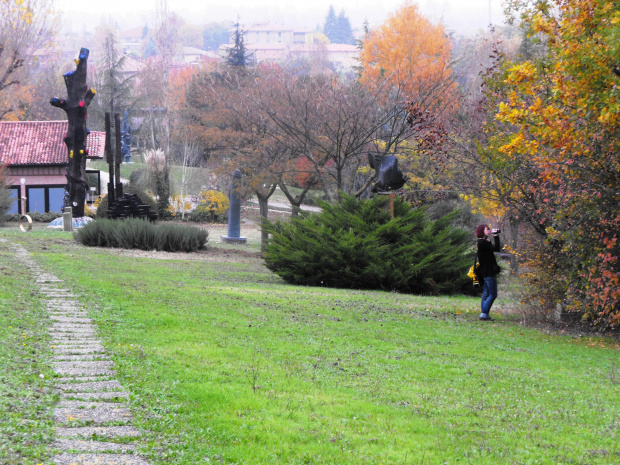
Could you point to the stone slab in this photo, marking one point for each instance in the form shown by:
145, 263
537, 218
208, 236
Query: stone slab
81, 379
68, 314
71, 320
75, 329
98, 459
99, 431
93, 396
84, 364
87, 343
84, 372
43, 278
99, 413
81, 445
95, 386
83, 349
64, 304
55, 291
80, 357
74, 340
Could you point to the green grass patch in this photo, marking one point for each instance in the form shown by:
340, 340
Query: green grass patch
196, 177
126, 168
26, 379
227, 364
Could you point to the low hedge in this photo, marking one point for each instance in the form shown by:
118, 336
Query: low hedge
37, 217
133, 233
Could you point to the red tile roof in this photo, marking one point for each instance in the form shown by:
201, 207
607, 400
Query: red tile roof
41, 143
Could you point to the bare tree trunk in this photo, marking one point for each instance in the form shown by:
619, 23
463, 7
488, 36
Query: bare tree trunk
295, 201
263, 205
79, 97
514, 241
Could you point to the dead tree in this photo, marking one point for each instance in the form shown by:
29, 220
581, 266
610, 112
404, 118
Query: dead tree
79, 97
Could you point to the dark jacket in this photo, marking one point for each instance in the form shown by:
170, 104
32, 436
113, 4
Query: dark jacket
486, 257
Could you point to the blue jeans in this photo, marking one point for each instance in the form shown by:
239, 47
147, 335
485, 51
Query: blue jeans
489, 293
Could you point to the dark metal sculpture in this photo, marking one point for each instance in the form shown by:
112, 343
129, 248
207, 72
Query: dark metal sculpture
120, 204
126, 139
389, 177
79, 97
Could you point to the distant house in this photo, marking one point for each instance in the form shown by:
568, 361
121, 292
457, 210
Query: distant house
132, 40
277, 43
36, 158
272, 34
196, 57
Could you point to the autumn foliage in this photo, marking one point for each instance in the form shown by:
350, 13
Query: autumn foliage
556, 139
411, 53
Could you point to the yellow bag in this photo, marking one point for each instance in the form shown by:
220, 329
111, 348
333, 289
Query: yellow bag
473, 277
474, 272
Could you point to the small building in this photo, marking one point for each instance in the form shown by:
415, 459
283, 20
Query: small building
196, 57
36, 160
278, 43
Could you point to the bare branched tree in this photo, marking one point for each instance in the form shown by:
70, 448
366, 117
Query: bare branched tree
26, 28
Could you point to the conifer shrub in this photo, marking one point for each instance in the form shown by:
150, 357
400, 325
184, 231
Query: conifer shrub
357, 244
134, 233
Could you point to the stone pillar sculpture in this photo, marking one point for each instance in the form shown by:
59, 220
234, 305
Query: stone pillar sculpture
234, 211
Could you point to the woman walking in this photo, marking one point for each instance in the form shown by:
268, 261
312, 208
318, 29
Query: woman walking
489, 269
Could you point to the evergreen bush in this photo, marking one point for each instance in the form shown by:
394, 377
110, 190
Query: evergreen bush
134, 233
357, 244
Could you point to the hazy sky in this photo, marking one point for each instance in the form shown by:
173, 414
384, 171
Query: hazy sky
466, 16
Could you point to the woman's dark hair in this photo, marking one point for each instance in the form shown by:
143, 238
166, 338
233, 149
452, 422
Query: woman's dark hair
480, 231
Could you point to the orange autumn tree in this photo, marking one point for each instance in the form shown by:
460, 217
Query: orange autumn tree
412, 54
560, 119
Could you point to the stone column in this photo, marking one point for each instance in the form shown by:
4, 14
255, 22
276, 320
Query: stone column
234, 211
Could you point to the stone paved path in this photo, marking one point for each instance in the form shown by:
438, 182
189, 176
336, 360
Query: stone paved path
92, 412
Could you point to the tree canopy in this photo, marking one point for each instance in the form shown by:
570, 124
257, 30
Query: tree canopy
557, 129
410, 52
25, 26
338, 28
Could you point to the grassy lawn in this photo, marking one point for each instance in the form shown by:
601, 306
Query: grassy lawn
197, 176
227, 364
26, 379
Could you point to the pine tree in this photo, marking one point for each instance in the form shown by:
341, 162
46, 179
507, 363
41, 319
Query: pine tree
238, 55
345, 32
115, 87
362, 245
330, 27
359, 43
149, 50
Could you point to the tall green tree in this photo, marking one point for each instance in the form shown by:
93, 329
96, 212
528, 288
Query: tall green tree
115, 86
238, 54
345, 32
330, 26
